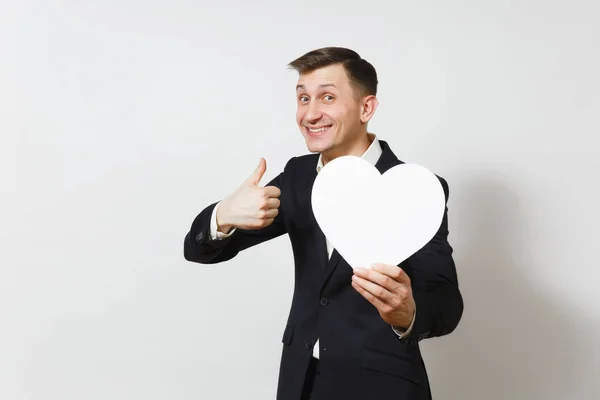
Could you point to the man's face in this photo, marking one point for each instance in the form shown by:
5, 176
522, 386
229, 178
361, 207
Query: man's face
329, 111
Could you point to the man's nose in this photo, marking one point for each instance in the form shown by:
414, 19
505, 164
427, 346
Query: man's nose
313, 113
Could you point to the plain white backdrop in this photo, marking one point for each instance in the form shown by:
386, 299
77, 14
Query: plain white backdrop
121, 120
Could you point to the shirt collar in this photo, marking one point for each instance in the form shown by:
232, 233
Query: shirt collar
371, 155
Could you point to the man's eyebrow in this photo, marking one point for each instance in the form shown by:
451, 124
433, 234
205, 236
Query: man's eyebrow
320, 86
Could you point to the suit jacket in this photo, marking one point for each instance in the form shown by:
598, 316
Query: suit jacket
360, 355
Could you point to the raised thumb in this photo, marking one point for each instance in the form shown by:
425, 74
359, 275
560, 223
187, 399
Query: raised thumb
258, 173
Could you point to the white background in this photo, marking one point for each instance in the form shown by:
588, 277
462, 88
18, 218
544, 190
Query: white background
122, 119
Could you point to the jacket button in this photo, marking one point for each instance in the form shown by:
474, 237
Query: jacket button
324, 301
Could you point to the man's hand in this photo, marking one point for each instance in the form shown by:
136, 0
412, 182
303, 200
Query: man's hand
388, 288
250, 206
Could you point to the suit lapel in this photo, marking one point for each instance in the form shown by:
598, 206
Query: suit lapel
318, 237
334, 261
321, 247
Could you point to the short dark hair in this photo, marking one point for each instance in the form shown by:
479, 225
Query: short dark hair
360, 71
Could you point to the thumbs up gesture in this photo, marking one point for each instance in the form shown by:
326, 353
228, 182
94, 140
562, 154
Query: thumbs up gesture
250, 206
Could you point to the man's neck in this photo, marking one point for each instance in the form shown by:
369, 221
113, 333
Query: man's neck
357, 149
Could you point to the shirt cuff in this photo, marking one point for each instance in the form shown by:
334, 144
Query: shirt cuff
403, 334
214, 233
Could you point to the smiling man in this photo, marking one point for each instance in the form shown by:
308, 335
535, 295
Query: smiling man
333, 112
351, 334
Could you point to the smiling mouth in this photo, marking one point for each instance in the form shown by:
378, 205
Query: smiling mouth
314, 132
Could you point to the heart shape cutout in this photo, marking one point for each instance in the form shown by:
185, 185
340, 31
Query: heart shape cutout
373, 218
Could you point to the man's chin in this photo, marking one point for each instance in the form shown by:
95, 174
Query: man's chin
316, 148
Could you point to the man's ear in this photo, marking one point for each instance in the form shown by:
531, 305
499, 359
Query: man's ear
368, 107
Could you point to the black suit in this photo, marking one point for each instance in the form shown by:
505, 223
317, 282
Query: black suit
360, 355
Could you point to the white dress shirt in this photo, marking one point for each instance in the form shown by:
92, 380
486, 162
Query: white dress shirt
372, 156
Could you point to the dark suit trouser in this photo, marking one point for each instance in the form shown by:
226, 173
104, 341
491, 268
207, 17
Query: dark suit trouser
311, 382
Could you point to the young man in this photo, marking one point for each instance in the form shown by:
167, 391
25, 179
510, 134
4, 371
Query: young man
351, 334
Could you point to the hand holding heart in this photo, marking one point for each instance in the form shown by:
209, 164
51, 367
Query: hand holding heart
376, 222
388, 288
250, 206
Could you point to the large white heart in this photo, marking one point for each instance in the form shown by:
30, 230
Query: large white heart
373, 218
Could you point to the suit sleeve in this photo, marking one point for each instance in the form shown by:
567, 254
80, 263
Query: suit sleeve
435, 285
199, 246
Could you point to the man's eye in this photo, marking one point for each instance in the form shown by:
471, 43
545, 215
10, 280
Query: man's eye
303, 98
328, 97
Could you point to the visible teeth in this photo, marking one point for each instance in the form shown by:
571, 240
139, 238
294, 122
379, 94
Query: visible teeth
318, 130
